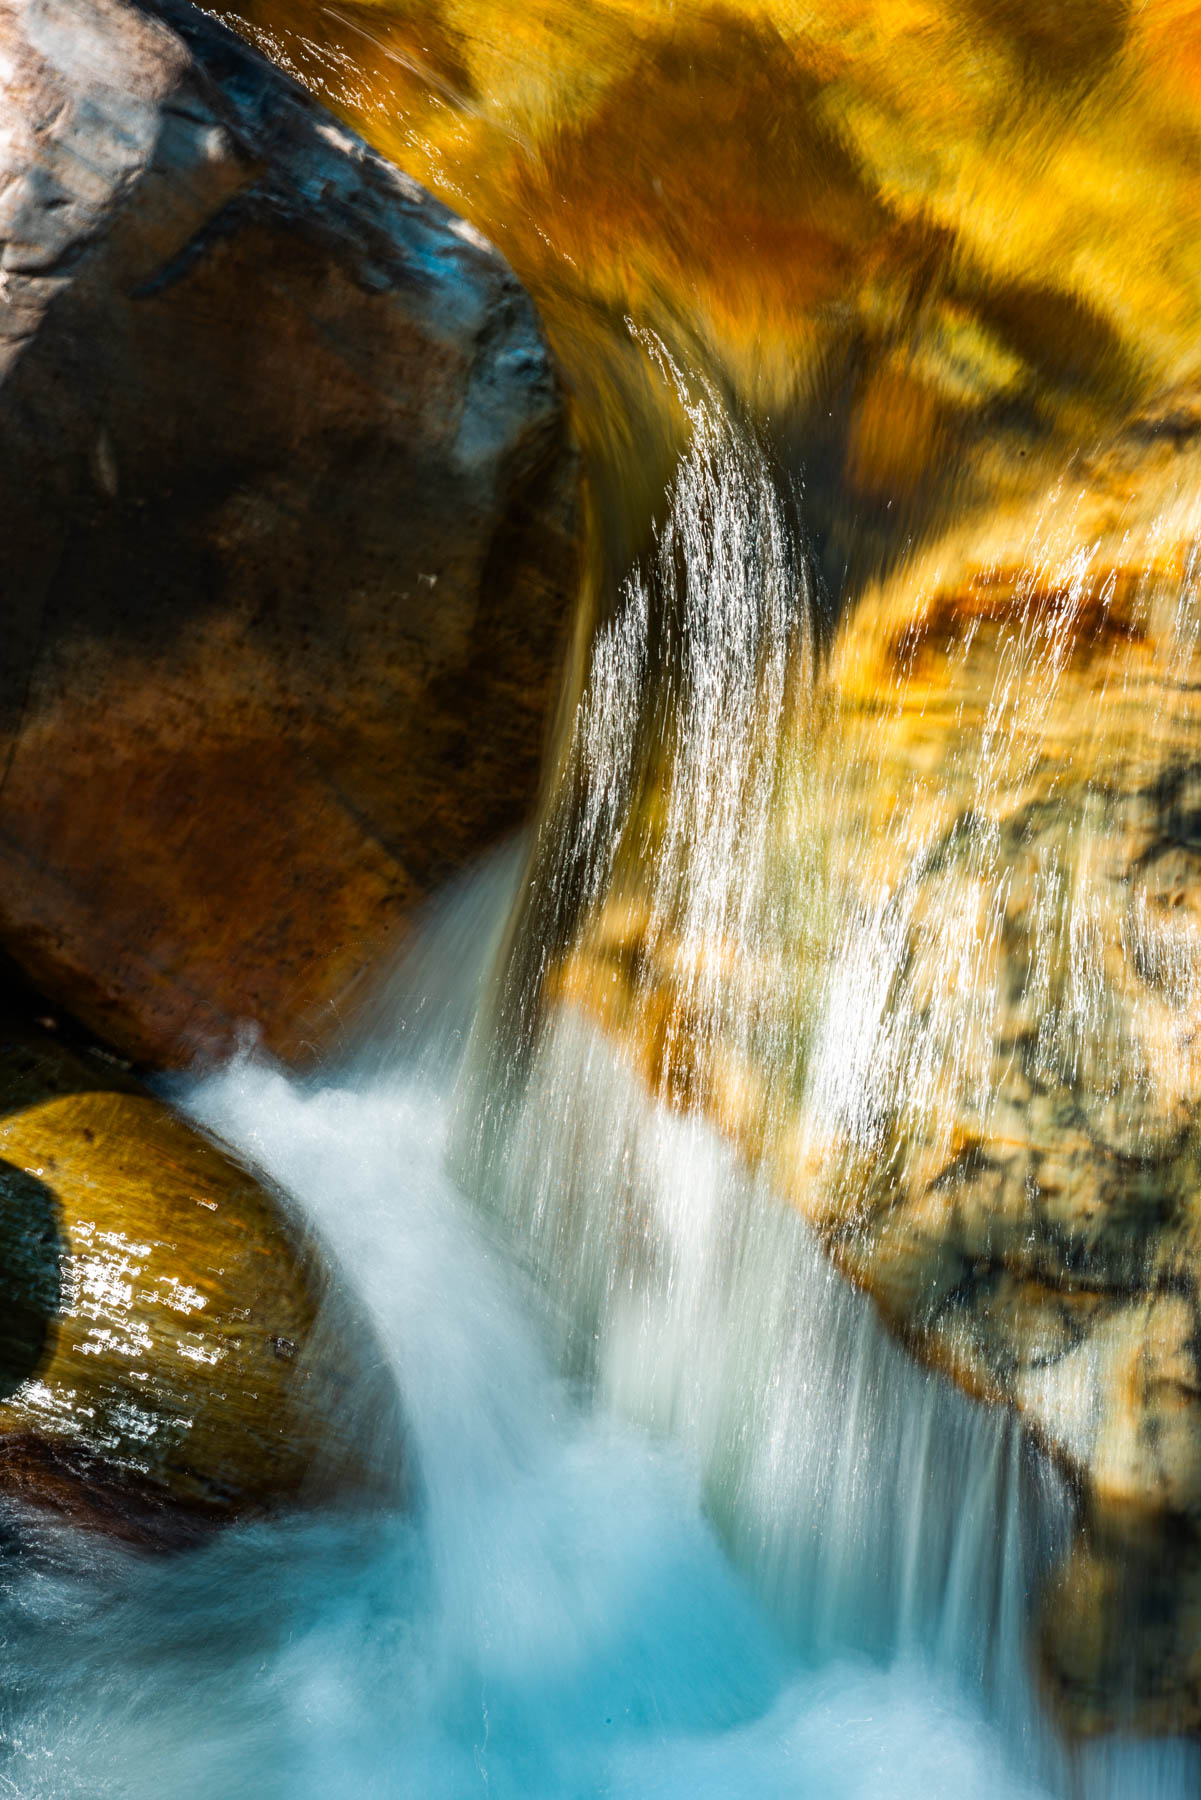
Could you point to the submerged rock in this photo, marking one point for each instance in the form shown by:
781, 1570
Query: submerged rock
174, 1352
289, 534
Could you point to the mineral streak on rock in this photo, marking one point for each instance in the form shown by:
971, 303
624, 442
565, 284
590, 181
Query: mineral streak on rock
289, 534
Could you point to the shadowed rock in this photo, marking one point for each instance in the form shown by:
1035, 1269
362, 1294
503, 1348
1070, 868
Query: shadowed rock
1120, 1631
31, 1251
289, 534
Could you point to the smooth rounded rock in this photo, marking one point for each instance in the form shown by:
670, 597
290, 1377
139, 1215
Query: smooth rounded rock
174, 1351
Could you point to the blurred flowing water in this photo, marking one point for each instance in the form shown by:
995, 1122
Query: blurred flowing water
686, 1520
559, 1617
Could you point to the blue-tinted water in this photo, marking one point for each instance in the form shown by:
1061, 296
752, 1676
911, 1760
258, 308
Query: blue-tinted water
559, 1616
558, 1619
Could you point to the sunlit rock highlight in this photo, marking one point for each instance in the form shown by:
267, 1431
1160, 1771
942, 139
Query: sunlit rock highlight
174, 1351
929, 245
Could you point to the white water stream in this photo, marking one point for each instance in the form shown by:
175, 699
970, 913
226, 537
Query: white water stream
561, 1615
687, 1524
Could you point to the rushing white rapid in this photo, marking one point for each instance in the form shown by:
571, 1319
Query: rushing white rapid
758, 1554
686, 1524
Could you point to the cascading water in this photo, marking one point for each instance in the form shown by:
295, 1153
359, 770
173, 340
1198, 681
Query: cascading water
687, 1520
556, 1619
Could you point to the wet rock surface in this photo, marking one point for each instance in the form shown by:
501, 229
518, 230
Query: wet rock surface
174, 1351
925, 245
289, 535
956, 1025
1119, 1640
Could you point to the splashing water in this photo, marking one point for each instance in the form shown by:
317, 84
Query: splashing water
558, 1618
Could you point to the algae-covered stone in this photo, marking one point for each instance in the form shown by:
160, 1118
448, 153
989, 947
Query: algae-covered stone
174, 1351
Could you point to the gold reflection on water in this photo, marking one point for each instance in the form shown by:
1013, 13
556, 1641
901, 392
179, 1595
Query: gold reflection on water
930, 243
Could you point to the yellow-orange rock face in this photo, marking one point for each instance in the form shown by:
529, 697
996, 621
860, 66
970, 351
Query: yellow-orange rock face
953, 1016
978, 1074
289, 535
925, 241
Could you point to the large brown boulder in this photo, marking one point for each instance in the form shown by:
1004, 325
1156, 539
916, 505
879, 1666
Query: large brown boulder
289, 534
175, 1351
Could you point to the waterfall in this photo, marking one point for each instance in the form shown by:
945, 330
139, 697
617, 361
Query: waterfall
687, 1520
